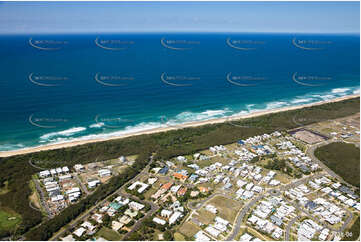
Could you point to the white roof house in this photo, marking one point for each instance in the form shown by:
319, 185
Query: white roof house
253, 219
174, 217
159, 221
211, 208
65, 169
72, 190
104, 172
249, 186
65, 177
92, 184
181, 158
88, 225
246, 237
136, 206
200, 236
165, 213
116, 225
277, 233
57, 198
68, 238
241, 183
45, 173
274, 182
324, 233
221, 220
212, 231
142, 185
74, 196
257, 189
79, 232
78, 167
151, 180
175, 188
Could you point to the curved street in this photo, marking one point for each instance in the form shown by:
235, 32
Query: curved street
310, 152
250, 204
288, 228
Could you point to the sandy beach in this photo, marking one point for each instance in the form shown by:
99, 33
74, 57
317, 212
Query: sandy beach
164, 129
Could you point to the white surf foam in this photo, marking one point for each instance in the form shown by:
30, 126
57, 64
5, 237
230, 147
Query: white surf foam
97, 125
206, 115
67, 132
7, 147
301, 100
340, 90
273, 105
185, 117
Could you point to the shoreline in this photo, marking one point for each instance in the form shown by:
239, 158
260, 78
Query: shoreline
165, 129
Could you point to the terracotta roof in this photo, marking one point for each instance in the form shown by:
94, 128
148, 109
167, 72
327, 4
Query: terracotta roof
180, 176
182, 191
167, 185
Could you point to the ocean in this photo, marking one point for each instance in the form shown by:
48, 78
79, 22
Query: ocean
61, 88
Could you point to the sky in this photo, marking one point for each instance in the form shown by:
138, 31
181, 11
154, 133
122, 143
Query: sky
124, 17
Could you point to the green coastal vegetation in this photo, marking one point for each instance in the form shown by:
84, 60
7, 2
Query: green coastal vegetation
343, 159
17, 170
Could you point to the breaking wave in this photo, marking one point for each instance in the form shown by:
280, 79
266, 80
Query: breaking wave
94, 131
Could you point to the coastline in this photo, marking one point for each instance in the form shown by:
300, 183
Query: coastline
164, 129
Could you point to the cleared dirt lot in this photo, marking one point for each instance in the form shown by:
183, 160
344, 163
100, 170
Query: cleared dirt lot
227, 208
204, 216
189, 229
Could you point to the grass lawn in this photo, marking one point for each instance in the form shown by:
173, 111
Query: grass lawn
8, 219
282, 177
312, 196
131, 157
108, 234
189, 229
204, 163
227, 208
342, 158
178, 237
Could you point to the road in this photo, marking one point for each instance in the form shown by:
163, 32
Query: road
324, 224
300, 181
288, 228
310, 152
83, 187
304, 180
85, 215
37, 167
154, 209
250, 204
42, 198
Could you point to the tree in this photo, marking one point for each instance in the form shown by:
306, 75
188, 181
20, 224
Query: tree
168, 235
106, 220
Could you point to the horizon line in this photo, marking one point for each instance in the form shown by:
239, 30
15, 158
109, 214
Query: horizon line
177, 32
